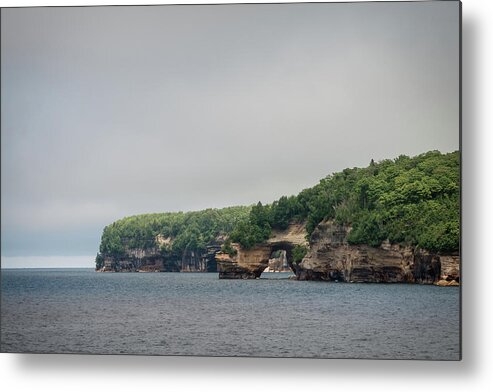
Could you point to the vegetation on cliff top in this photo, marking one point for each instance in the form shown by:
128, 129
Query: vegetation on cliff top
188, 230
412, 201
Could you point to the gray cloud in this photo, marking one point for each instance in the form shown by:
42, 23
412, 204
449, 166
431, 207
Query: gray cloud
114, 111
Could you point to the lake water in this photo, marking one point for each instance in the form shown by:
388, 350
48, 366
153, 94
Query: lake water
81, 311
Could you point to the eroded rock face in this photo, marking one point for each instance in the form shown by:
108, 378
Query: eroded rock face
450, 267
278, 263
134, 260
146, 263
250, 263
152, 260
246, 264
331, 258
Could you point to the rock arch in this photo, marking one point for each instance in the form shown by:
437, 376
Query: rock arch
331, 258
250, 263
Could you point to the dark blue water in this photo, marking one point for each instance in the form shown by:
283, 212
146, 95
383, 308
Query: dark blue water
81, 311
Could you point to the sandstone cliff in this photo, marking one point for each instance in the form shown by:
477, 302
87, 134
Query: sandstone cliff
153, 259
331, 258
250, 263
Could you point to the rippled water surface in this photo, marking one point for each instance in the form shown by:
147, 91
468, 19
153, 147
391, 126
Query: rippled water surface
81, 311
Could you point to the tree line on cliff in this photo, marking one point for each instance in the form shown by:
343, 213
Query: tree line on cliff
407, 200
179, 230
411, 201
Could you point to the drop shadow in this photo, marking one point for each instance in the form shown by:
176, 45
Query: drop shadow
471, 206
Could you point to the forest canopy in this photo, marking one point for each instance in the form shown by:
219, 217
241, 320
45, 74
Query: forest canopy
188, 230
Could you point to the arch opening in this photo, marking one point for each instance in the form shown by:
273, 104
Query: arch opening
280, 259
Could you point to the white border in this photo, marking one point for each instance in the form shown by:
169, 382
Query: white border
123, 373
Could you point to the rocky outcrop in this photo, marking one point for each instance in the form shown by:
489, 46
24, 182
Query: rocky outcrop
245, 264
362, 263
278, 263
450, 267
153, 259
138, 260
250, 263
147, 263
331, 258
444, 282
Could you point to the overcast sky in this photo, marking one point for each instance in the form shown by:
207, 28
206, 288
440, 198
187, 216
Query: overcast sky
114, 111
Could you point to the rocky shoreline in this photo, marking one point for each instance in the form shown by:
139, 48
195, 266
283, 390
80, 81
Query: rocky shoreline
329, 257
